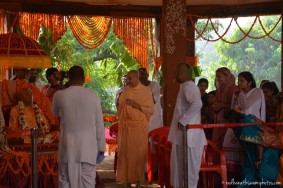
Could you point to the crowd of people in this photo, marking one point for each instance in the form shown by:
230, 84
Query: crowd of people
246, 103
76, 122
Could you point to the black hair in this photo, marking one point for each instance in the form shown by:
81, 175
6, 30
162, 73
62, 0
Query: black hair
249, 77
233, 116
49, 72
76, 73
271, 86
212, 93
142, 69
203, 80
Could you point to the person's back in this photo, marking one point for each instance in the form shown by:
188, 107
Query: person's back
82, 137
77, 104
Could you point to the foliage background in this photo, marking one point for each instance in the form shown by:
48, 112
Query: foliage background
107, 63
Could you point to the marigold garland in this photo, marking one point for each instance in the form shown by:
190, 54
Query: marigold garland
31, 23
19, 162
2, 21
90, 31
39, 98
134, 34
246, 34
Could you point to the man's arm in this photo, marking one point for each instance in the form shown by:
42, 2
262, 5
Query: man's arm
100, 136
54, 107
193, 97
147, 107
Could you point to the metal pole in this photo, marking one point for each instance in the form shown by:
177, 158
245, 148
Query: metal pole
185, 168
34, 157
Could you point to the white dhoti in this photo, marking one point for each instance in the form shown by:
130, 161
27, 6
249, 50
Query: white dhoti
77, 175
176, 166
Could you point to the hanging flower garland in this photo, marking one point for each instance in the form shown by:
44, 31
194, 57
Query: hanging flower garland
39, 98
42, 127
90, 31
19, 162
134, 34
246, 34
30, 23
2, 21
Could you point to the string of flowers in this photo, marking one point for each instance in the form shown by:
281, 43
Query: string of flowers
90, 31
42, 127
133, 32
19, 162
48, 164
39, 98
2, 21
31, 23
245, 34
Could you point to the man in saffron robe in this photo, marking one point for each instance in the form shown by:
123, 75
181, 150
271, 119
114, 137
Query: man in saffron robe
135, 108
27, 115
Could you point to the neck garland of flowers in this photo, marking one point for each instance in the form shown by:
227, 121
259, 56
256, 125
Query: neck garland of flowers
22, 118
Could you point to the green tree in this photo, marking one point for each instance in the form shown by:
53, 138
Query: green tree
262, 57
104, 64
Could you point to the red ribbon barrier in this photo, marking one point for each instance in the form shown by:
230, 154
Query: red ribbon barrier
226, 125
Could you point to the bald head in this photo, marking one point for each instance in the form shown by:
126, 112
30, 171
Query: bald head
133, 78
25, 95
183, 73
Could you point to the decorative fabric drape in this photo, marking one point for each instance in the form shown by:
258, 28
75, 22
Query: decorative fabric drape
30, 24
90, 31
135, 36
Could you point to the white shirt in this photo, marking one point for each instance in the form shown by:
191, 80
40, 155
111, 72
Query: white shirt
253, 103
81, 124
187, 111
155, 120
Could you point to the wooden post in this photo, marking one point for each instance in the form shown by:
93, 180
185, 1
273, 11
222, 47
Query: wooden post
173, 51
190, 43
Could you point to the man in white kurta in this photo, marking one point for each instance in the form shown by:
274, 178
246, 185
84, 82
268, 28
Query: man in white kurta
187, 111
82, 135
155, 120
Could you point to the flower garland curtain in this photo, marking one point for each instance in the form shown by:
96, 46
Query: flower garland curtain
90, 31
30, 24
2, 21
135, 36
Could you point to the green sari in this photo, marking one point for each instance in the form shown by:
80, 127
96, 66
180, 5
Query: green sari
249, 137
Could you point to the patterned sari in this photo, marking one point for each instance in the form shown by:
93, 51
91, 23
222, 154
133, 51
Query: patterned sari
249, 138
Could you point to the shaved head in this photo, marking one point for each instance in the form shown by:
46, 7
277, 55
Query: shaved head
133, 78
183, 73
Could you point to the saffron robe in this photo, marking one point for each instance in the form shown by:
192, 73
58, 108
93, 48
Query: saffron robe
29, 113
133, 133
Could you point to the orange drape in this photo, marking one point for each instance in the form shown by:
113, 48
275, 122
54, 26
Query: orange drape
134, 32
30, 24
90, 31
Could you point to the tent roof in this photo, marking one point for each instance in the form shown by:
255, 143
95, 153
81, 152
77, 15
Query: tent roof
144, 8
159, 2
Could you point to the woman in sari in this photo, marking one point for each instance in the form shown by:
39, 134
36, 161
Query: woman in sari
225, 87
261, 162
270, 91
